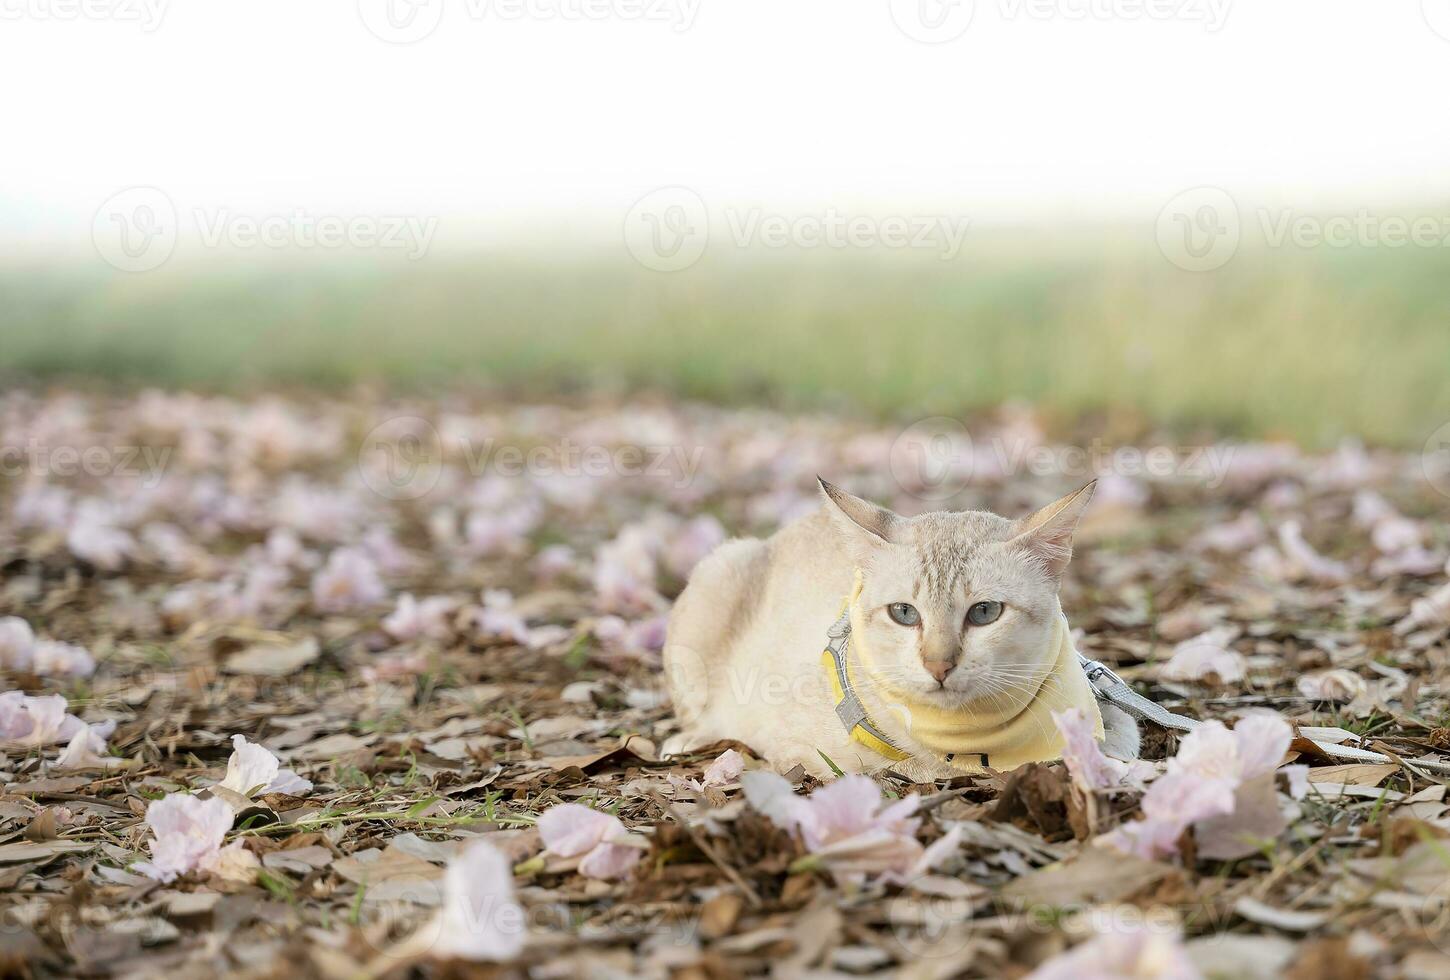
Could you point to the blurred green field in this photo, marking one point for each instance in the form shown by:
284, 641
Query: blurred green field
1313, 344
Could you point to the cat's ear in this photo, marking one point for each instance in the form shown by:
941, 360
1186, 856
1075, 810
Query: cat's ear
1047, 534
855, 514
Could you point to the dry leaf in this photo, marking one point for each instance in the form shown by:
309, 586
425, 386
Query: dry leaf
1354, 774
1095, 875
271, 660
42, 850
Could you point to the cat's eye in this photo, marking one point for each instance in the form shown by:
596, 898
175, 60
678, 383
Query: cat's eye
984, 612
903, 613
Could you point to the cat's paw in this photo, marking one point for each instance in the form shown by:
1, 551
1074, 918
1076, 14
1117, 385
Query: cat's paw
1121, 738
674, 745
682, 744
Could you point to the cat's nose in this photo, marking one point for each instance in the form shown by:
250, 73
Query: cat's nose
938, 669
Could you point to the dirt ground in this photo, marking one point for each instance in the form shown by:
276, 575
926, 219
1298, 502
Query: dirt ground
189, 569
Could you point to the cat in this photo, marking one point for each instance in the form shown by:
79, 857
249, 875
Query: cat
958, 612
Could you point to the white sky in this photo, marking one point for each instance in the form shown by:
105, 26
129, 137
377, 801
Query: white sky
277, 104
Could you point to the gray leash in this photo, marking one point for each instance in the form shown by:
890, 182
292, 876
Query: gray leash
1115, 691
1109, 687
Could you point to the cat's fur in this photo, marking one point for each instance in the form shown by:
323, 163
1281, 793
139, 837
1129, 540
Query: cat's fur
743, 653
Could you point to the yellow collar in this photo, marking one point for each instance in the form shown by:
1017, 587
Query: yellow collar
1014, 730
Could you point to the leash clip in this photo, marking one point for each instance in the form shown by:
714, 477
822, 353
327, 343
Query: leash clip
1095, 669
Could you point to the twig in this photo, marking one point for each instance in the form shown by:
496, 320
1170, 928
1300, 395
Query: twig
937, 799
709, 851
1267, 883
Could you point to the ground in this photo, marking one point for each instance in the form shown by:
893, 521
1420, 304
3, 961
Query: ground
238, 566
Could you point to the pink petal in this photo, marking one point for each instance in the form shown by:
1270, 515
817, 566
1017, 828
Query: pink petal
898, 817
1298, 780
939, 851
1127, 952
233, 862
290, 783
842, 809
188, 834
1256, 817
1188, 796
1198, 659
1309, 563
610, 861
1089, 768
571, 829
875, 851
1209, 750
1263, 739
250, 768
480, 920
1148, 839
726, 769
79, 754
771, 795
15, 720
17, 642
1332, 685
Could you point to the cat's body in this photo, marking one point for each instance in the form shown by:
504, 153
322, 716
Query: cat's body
743, 656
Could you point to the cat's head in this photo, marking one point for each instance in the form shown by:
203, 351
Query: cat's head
957, 607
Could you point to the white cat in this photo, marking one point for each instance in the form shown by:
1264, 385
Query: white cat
956, 638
